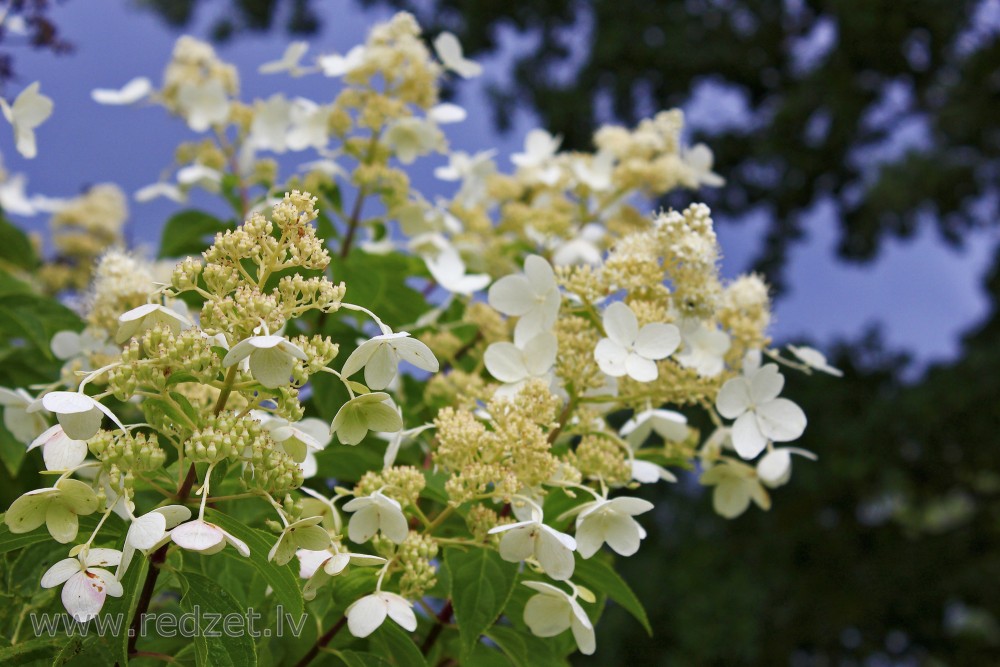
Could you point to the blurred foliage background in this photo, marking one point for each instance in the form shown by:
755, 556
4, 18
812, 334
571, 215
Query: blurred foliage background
888, 550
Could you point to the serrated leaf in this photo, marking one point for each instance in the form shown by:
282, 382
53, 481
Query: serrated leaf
280, 578
481, 584
32, 649
598, 575
215, 647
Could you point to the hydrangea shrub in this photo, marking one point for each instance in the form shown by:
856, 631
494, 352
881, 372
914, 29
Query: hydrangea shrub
417, 428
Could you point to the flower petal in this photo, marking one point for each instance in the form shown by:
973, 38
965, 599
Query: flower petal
28, 512
511, 295
84, 595
272, 367
366, 615
748, 441
547, 615
734, 398
62, 522
63, 453
197, 535
781, 420
554, 556
641, 369
657, 341
364, 523
620, 324
775, 468
622, 533
540, 274
146, 530
416, 353
401, 611
766, 384
382, 417
610, 356
540, 353
731, 498
505, 362
381, 367
60, 572
517, 544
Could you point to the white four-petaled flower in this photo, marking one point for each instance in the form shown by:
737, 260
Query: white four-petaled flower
59, 451
610, 521
149, 316
300, 440
449, 50
367, 412
206, 538
150, 531
553, 550
87, 582
735, 485
412, 137
532, 296
698, 159
775, 468
367, 614
448, 270
629, 350
203, 104
29, 110
669, 425
58, 508
271, 358
302, 534
514, 365
380, 357
320, 566
539, 148
79, 414
704, 349
375, 513
752, 400
553, 611
22, 414
289, 61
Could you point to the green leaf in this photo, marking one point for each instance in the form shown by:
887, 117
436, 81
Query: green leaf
359, 659
397, 646
598, 575
12, 452
523, 648
223, 644
32, 649
124, 608
481, 584
189, 233
379, 282
15, 247
10, 541
35, 319
281, 579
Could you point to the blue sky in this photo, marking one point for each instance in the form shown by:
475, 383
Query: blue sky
923, 293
